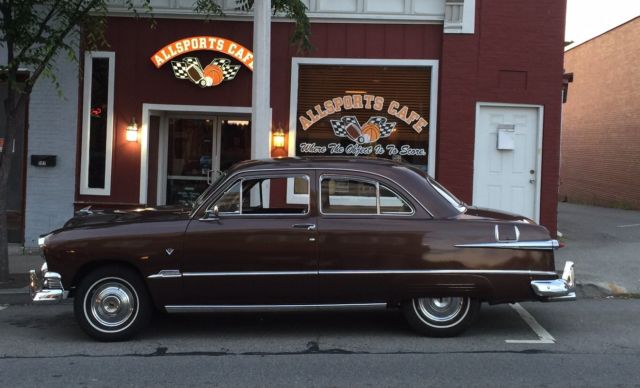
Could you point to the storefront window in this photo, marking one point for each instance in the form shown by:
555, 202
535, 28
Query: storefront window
374, 111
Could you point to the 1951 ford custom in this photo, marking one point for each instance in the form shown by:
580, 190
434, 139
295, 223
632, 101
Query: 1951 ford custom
291, 233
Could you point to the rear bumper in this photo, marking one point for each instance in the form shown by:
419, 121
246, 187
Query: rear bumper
557, 290
46, 287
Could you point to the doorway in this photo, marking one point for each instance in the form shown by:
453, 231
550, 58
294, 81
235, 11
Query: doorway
194, 150
508, 158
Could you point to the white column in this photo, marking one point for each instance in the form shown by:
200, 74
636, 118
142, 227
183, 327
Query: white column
260, 99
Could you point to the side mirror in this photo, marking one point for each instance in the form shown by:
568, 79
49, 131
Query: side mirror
211, 214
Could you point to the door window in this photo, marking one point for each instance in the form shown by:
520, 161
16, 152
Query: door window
354, 196
264, 195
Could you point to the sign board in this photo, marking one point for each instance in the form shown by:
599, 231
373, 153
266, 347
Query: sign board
215, 72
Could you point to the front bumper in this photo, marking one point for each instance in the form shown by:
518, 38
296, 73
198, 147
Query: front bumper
557, 290
46, 287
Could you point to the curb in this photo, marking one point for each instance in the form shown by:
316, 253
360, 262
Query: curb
604, 290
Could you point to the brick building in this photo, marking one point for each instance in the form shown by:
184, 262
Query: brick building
468, 90
600, 150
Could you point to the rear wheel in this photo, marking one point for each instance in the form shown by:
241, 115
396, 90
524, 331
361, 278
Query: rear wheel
112, 304
441, 317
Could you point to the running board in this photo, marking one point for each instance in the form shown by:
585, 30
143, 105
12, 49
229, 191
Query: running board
266, 307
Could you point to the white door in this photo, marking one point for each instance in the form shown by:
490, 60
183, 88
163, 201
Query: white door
506, 160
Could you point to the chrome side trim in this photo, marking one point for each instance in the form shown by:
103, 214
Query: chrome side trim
252, 273
372, 272
263, 307
166, 273
437, 271
538, 245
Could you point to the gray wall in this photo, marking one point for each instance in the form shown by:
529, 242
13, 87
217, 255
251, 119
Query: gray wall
53, 122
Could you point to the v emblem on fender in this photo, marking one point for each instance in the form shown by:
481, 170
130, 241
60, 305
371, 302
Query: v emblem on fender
169, 251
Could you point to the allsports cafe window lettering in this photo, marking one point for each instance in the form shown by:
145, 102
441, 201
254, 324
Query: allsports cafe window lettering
358, 101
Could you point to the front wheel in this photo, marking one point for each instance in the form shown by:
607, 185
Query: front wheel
441, 317
112, 304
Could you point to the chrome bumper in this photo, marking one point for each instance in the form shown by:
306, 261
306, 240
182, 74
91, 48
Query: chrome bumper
557, 290
46, 288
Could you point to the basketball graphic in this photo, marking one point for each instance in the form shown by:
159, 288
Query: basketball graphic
370, 132
213, 75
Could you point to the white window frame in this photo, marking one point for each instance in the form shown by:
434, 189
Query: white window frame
86, 124
296, 62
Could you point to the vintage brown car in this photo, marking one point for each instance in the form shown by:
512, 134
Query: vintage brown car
300, 233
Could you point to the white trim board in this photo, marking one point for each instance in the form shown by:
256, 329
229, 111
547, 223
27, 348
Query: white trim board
86, 123
539, 150
148, 109
430, 63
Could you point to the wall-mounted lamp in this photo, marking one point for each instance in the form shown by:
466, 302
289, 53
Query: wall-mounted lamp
278, 138
132, 130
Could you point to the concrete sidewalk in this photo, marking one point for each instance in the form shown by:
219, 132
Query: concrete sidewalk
604, 244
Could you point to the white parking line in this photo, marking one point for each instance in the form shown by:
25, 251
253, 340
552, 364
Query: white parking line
543, 335
628, 226
3, 306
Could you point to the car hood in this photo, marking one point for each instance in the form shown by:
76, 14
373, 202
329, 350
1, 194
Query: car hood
90, 217
479, 212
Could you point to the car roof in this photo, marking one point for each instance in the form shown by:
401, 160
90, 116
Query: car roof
365, 163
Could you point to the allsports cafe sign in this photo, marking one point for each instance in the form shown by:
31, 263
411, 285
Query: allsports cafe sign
363, 136
220, 69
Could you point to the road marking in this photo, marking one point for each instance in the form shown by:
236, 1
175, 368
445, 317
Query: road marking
3, 306
543, 335
628, 226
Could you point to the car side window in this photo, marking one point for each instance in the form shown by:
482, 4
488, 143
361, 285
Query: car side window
348, 196
230, 201
274, 195
392, 203
342, 195
266, 195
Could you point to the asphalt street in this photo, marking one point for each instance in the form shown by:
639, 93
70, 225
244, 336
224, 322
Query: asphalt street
590, 342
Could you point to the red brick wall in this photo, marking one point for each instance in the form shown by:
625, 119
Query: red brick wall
512, 38
601, 128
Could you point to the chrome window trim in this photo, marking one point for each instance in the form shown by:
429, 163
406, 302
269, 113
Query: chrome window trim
536, 245
366, 272
365, 180
223, 183
283, 175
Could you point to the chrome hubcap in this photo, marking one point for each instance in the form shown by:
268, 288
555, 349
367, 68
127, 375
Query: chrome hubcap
440, 309
112, 304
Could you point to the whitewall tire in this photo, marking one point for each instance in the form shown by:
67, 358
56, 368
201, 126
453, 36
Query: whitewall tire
441, 317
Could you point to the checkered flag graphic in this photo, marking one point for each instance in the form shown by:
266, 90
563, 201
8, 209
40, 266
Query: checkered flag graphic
385, 127
180, 67
228, 71
340, 126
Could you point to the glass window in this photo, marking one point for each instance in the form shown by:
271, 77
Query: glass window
230, 200
97, 130
269, 196
352, 196
264, 196
348, 196
391, 203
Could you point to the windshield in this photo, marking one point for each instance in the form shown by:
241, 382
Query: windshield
196, 204
458, 204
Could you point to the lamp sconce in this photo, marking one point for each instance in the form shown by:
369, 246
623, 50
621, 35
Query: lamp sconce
278, 138
132, 131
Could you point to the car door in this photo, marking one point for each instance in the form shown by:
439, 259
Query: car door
369, 233
257, 247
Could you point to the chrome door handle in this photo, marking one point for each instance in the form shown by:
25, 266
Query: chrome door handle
304, 226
